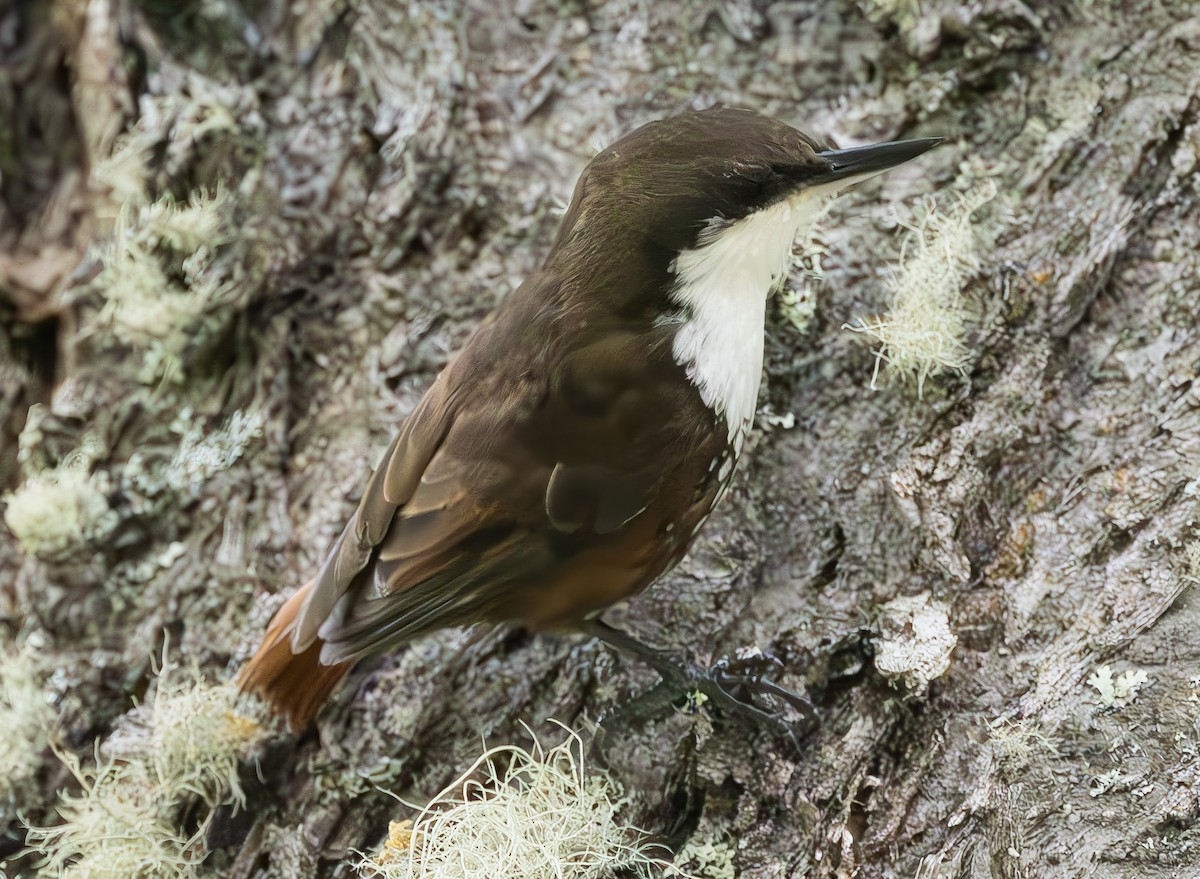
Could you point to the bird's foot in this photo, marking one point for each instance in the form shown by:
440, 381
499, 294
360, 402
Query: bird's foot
739, 689
732, 688
750, 672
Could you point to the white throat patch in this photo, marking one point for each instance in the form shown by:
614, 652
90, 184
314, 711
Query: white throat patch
723, 286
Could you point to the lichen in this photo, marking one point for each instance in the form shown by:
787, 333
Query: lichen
159, 278
514, 812
25, 716
191, 736
798, 302
705, 860
924, 331
915, 641
203, 453
55, 513
183, 745
113, 830
1117, 690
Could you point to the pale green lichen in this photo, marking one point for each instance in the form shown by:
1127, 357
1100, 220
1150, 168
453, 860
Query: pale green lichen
769, 419
798, 303
25, 717
122, 174
535, 814
704, 860
1015, 743
140, 302
159, 279
56, 513
203, 453
114, 830
918, 25
924, 332
798, 306
183, 745
190, 737
187, 228
1117, 690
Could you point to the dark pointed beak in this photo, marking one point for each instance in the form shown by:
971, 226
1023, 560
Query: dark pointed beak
858, 163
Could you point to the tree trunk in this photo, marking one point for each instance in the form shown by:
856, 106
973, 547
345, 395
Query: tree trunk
238, 242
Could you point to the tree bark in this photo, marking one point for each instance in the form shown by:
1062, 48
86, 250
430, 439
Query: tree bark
373, 177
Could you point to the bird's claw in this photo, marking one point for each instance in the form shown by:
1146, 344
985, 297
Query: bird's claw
730, 687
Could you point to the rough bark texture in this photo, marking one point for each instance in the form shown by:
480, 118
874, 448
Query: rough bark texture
380, 174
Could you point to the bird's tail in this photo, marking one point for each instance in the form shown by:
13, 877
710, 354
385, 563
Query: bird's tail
295, 685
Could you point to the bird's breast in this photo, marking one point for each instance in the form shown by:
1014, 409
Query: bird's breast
721, 289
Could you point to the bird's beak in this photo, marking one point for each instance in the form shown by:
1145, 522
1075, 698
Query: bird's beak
858, 163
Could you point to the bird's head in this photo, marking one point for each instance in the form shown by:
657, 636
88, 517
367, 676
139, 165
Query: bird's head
682, 184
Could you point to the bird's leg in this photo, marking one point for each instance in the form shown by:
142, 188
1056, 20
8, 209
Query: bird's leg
715, 684
667, 665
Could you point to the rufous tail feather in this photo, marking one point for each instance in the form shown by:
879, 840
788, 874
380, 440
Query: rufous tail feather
295, 685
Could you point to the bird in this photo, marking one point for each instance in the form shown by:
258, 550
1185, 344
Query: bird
571, 452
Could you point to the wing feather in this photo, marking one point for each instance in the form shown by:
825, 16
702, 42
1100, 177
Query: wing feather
473, 511
391, 485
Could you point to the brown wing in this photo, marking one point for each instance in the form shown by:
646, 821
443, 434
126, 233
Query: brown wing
525, 499
393, 484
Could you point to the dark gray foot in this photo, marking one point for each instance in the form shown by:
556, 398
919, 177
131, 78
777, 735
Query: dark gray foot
732, 689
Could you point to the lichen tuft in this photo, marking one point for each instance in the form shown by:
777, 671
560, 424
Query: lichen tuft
182, 746
537, 814
25, 715
924, 332
57, 512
